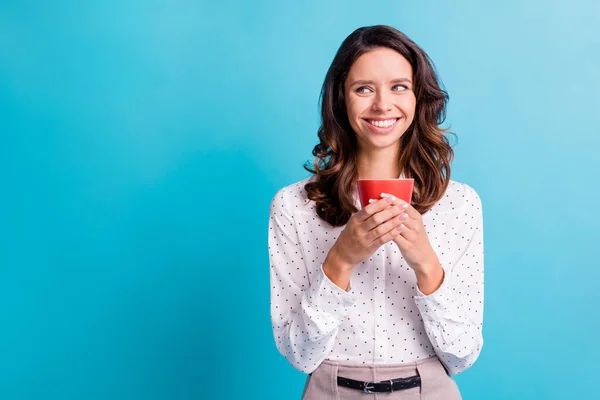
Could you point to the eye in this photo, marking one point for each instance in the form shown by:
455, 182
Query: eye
359, 90
402, 86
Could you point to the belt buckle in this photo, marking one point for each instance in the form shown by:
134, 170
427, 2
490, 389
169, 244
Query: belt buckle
368, 389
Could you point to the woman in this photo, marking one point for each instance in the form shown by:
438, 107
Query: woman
388, 298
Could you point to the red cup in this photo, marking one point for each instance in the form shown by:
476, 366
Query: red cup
372, 189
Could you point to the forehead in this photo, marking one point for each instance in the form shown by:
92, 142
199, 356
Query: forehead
381, 63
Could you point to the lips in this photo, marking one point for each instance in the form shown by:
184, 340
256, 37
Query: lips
381, 123
381, 129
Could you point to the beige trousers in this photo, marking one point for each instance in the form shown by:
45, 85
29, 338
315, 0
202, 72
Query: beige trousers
435, 382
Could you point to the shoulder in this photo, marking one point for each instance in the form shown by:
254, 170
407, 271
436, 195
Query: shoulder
293, 198
464, 192
459, 196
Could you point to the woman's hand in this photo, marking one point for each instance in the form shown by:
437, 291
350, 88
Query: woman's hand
366, 230
417, 251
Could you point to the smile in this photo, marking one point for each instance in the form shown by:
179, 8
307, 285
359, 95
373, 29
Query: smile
382, 126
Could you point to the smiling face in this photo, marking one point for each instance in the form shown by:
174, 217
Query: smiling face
380, 101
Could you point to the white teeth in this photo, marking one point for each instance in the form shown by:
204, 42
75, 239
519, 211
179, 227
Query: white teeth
382, 124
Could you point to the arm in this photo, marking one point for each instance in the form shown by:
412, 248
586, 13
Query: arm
305, 315
453, 314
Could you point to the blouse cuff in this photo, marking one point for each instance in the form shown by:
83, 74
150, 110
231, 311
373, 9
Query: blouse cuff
438, 302
326, 296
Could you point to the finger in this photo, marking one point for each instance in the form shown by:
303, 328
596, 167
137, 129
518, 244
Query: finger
401, 240
385, 227
410, 221
381, 217
412, 212
389, 235
370, 209
396, 201
407, 233
395, 207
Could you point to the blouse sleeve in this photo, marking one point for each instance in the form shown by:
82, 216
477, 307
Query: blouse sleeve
305, 316
453, 314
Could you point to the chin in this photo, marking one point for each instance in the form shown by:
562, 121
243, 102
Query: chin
381, 142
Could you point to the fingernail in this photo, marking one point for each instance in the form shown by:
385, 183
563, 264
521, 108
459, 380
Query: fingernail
372, 201
400, 227
405, 206
389, 197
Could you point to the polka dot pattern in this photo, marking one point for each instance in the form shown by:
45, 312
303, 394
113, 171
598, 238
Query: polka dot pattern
383, 318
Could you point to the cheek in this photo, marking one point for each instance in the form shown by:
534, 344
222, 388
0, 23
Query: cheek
353, 108
408, 105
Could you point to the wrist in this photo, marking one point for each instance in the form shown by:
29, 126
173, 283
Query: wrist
337, 270
430, 278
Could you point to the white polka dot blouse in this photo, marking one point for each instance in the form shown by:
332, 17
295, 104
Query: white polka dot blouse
383, 318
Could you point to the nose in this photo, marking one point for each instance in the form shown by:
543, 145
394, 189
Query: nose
382, 102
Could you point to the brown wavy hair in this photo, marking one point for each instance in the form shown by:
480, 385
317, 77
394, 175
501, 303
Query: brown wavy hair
425, 152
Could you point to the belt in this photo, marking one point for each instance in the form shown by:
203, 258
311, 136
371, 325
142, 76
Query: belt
390, 385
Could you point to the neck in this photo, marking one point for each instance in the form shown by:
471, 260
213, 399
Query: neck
381, 164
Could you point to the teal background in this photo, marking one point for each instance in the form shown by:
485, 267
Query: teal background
141, 144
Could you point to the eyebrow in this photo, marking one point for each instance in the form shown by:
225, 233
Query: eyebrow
364, 82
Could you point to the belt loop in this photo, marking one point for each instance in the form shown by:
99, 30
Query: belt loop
334, 385
429, 378
375, 375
